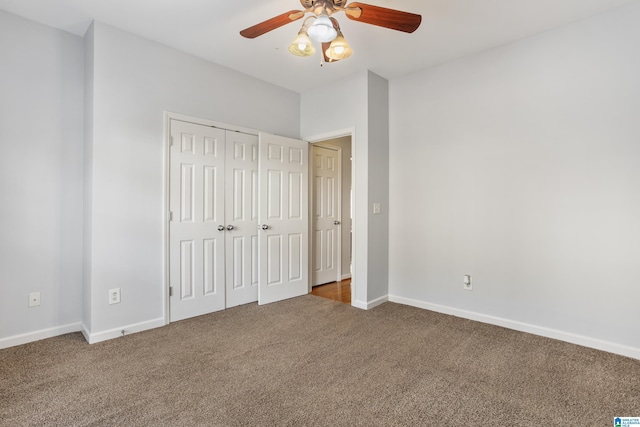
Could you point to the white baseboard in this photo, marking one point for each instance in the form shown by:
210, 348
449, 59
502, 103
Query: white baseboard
346, 276
524, 327
370, 304
95, 337
39, 335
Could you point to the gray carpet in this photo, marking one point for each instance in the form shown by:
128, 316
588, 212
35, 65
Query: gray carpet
311, 361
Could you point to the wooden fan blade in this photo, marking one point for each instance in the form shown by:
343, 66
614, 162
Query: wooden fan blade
383, 17
272, 24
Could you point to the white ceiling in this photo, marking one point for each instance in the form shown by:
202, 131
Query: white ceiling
210, 29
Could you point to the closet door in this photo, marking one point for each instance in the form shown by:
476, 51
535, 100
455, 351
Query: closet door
241, 218
196, 202
283, 217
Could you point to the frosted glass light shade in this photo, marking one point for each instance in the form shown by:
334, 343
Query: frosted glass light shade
339, 49
322, 30
302, 45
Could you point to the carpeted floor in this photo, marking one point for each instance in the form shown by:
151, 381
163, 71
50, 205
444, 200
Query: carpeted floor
310, 361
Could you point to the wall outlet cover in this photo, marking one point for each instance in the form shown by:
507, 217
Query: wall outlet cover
34, 299
114, 296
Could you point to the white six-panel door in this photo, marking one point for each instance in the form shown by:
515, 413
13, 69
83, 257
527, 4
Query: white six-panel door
326, 214
284, 218
196, 202
217, 256
241, 218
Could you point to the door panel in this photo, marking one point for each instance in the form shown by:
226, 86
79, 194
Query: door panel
241, 213
326, 212
283, 208
196, 200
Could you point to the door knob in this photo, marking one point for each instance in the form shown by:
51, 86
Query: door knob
230, 227
336, 222
221, 228
264, 227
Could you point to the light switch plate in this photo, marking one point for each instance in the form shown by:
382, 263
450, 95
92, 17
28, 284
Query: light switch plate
376, 208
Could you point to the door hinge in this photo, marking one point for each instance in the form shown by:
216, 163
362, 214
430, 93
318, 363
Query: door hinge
170, 216
170, 291
171, 141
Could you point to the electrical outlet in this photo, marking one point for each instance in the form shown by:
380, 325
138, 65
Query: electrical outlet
376, 208
34, 299
114, 296
466, 282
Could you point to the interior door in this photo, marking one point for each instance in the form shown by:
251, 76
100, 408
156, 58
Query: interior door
241, 218
326, 214
283, 216
196, 202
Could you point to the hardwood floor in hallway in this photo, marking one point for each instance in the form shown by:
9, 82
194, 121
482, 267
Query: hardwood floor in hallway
337, 291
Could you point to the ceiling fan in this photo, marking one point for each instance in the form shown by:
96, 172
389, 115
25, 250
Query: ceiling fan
324, 28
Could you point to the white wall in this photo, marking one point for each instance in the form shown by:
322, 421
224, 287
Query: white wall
41, 179
519, 166
134, 82
348, 105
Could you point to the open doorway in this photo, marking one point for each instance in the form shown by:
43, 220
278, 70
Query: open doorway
332, 218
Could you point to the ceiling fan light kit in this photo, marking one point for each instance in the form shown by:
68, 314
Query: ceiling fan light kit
326, 30
339, 49
302, 45
322, 29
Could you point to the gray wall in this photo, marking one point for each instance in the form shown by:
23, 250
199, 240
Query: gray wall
134, 82
40, 178
84, 214
378, 112
519, 166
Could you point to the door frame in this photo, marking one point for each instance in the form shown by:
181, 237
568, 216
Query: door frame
319, 138
312, 196
168, 116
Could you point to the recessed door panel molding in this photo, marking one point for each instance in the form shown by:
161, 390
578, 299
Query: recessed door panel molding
318, 205
188, 143
274, 260
275, 152
283, 215
295, 257
254, 195
187, 270
187, 205
211, 146
295, 196
326, 219
238, 195
239, 150
254, 262
295, 156
319, 251
238, 263
210, 194
330, 259
211, 285
274, 194
330, 201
